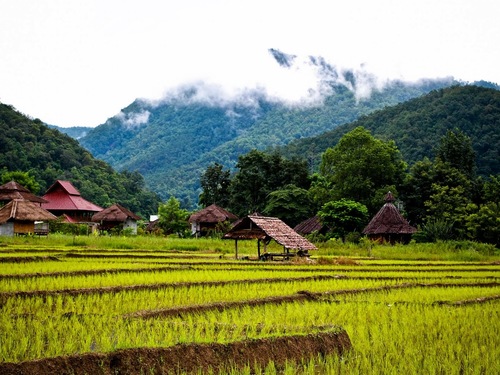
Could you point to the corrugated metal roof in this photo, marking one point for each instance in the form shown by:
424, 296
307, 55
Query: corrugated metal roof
115, 213
24, 210
62, 196
64, 185
261, 227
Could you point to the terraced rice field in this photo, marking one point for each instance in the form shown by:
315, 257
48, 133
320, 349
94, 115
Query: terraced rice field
106, 312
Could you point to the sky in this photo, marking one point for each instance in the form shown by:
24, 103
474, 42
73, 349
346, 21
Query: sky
79, 62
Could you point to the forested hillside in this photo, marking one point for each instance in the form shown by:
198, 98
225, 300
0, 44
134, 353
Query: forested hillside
418, 124
48, 155
171, 143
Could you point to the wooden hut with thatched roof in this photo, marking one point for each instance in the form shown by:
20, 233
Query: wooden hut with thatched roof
265, 229
116, 216
388, 225
14, 190
19, 217
207, 219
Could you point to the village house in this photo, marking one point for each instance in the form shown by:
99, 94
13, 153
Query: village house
207, 219
63, 199
22, 216
116, 216
388, 225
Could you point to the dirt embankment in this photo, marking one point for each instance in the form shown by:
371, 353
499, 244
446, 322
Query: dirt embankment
190, 358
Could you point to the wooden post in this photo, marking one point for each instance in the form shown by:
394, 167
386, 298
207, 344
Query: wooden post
236, 248
258, 248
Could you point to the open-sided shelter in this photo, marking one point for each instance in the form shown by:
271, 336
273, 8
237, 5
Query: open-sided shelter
116, 216
388, 225
19, 217
64, 199
265, 229
208, 218
14, 190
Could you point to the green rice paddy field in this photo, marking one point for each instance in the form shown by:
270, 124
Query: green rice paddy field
432, 309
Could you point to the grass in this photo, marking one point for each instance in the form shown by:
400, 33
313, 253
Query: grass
393, 331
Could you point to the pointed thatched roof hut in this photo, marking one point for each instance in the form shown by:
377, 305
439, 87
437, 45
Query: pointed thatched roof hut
265, 229
14, 190
114, 216
388, 225
19, 216
207, 219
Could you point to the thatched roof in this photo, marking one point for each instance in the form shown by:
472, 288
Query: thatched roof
310, 225
23, 210
212, 214
262, 227
13, 190
389, 220
115, 213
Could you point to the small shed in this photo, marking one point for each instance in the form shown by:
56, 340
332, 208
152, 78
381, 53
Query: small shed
116, 216
19, 217
265, 229
14, 190
208, 218
388, 225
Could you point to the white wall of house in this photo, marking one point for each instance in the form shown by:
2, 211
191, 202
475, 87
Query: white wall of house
130, 223
195, 227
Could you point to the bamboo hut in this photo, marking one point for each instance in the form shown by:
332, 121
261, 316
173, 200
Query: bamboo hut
265, 229
388, 225
19, 217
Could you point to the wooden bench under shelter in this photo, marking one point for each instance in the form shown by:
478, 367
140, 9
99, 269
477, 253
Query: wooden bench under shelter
264, 229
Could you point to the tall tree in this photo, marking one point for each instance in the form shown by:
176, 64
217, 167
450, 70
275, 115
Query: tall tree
456, 149
172, 218
291, 204
261, 173
215, 183
344, 216
361, 166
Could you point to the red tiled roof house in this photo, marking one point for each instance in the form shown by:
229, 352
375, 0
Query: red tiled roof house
63, 199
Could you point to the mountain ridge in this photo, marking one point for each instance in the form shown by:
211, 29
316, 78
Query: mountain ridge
171, 143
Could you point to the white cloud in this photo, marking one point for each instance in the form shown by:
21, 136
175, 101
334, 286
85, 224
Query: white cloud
72, 62
133, 119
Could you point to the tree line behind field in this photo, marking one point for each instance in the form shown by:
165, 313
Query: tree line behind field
443, 195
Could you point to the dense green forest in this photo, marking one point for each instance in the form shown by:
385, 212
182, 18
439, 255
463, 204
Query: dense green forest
48, 155
418, 124
442, 196
172, 142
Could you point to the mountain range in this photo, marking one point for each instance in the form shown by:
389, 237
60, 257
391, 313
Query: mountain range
172, 141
